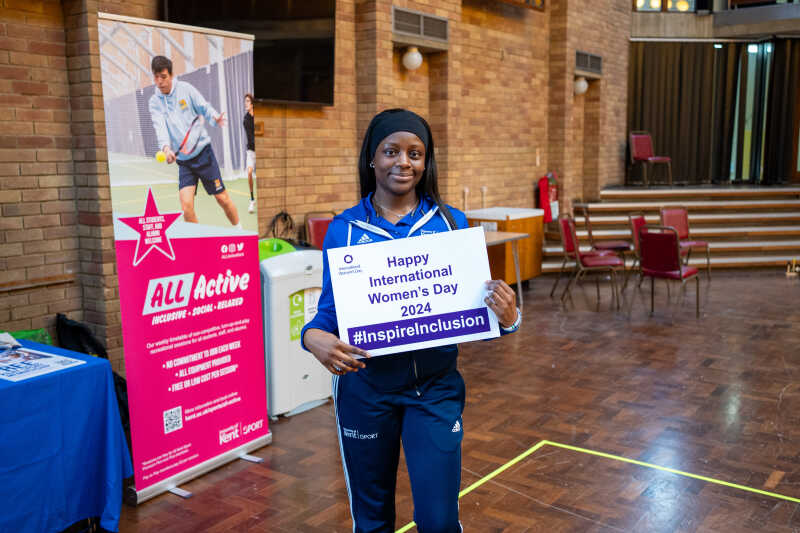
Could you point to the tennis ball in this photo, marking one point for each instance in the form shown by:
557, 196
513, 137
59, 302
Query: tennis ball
160, 156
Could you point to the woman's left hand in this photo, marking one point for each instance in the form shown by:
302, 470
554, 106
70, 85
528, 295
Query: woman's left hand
502, 300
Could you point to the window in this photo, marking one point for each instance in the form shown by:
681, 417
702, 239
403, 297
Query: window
750, 114
672, 6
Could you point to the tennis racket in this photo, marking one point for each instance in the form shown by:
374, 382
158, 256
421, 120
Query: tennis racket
183, 148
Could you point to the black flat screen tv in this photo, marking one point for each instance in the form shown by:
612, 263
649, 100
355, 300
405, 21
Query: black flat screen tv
293, 52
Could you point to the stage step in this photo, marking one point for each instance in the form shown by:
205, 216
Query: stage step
752, 261
555, 251
744, 226
698, 192
599, 221
701, 232
693, 205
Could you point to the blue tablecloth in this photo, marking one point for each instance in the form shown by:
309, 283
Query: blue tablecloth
63, 454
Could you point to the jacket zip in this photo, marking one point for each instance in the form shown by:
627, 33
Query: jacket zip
416, 375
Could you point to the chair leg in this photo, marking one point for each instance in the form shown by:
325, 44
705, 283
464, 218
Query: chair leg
669, 172
560, 271
697, 297
644, 173
597, 286
628, 273
708, 262
615, 292
570, 282
652, 295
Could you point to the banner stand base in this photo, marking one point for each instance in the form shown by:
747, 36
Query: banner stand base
185, 494
135, 497
251, 458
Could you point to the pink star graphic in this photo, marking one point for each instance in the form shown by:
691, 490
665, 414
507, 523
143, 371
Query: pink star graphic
152, 229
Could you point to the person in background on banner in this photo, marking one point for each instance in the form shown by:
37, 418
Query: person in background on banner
416, 397
250, 130
176, 108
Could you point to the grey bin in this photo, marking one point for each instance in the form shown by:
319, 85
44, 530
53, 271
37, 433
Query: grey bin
290, 288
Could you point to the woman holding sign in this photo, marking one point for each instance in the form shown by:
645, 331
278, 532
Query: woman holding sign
416, 397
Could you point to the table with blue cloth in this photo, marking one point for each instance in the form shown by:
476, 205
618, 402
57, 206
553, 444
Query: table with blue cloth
63, 454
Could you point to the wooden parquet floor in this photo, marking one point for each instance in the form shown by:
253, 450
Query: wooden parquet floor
718, 397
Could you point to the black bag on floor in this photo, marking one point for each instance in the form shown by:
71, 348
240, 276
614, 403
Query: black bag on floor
76, 336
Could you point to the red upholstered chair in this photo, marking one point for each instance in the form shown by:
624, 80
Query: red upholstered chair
636, 221
618, 247
661, 258
585, 262
316, 227
678, 217
569, 255
642, 152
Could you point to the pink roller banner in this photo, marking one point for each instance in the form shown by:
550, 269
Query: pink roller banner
177, 110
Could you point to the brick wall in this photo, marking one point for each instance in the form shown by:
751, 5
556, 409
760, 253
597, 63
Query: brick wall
55, 230
146, 9
500, 95
410, 89
307, 156
603, 28
587, 135
38, 232
502, 50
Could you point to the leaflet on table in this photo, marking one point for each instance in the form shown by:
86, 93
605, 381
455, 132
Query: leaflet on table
7, 341
17, 364
408, 294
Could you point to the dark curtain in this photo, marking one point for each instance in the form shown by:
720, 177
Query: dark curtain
670, 96
781, 143
726, 81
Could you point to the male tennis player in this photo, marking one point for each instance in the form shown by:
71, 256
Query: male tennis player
250, 130
176, 108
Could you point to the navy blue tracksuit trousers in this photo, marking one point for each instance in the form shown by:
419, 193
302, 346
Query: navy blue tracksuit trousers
371, 425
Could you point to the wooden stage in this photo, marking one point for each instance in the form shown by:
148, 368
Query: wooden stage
718, 397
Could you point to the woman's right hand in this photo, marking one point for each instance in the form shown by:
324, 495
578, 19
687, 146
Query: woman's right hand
334, 354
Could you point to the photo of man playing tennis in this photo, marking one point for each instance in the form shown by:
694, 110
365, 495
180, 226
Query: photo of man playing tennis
176, 109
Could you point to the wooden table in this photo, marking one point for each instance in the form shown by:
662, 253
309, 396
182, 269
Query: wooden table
517, 220
494, 238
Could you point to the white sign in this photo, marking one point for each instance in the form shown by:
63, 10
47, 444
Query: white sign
408, 294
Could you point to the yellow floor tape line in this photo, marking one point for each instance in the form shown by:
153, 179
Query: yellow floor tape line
543, 443
673, 471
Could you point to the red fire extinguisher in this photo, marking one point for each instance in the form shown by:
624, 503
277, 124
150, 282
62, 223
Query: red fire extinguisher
548, 196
